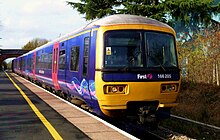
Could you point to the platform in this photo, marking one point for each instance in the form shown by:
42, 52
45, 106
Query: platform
19, 120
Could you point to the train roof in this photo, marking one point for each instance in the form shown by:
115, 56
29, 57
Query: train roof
110, 20
126, 19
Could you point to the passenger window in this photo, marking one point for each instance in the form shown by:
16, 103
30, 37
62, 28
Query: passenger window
49, 63
32, 63
62, 59
85, 56
38, 62
74, 62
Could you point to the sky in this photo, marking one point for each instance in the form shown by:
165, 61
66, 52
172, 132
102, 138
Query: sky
24, 20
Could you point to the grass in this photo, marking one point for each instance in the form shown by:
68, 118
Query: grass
200, 102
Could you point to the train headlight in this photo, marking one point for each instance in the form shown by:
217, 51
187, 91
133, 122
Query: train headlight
167, 88
118, 89
114, 89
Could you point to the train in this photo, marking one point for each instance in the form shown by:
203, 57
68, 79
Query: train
117, 66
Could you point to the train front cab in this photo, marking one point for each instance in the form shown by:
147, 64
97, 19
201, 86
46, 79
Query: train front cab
134, 86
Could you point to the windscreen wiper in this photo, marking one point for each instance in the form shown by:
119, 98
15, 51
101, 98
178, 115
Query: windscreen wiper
127, 67
157, 62
162, 67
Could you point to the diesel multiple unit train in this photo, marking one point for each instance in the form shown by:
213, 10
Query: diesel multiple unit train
117, 66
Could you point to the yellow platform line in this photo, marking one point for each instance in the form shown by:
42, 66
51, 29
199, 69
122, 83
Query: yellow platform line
50, 128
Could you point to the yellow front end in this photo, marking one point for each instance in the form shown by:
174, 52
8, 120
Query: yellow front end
113, 97
110, 103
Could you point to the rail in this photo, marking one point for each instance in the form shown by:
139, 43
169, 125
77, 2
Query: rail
196, 122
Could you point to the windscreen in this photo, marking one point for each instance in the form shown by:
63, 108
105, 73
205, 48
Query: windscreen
139, 49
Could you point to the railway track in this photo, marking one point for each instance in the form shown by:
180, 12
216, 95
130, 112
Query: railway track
191, 128
140, 131
196, 122
163, 133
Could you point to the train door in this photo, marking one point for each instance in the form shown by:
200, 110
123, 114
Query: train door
62, 66
55, 66
85, 57
86, 73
